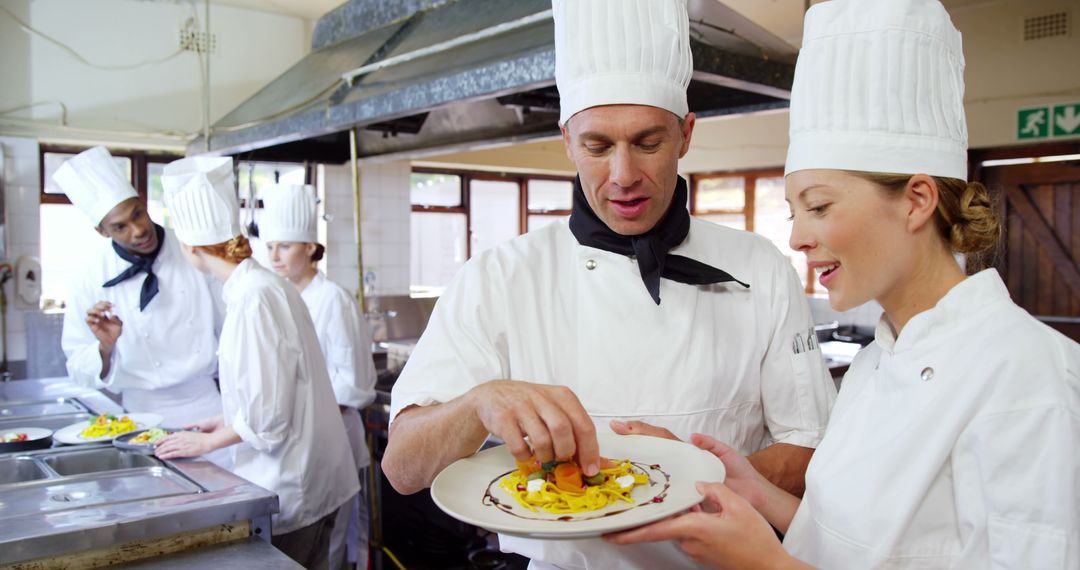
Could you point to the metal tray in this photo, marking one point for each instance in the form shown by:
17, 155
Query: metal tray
51, 495
38, 408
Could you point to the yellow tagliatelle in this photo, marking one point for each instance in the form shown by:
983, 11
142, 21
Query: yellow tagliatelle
108, 425
552, 499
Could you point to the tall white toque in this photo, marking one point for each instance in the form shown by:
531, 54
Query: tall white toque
879, 87
94, 183
628, 52
201, 199
289, 214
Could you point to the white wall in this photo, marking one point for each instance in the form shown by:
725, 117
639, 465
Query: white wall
153, 105
384, 225
21, 237
1005, 73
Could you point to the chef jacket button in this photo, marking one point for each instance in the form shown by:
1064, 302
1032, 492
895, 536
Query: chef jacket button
927, 374
590, 264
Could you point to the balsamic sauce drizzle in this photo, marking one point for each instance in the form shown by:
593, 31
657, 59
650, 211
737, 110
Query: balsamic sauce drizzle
490, 500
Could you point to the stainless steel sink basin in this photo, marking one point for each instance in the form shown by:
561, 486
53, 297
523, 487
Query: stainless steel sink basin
19, 470
97, 460
50, 495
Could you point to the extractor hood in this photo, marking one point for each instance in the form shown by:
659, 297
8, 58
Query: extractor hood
418, 77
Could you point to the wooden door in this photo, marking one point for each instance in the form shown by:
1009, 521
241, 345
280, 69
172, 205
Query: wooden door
1040, 257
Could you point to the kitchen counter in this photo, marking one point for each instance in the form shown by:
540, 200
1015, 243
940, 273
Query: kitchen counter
240, 555
93, 498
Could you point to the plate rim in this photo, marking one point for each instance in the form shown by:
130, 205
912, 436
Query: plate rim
573, 531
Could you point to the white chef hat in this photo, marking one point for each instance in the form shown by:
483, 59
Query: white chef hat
94, 183
629, 52
289, 214
879, 87
201, 200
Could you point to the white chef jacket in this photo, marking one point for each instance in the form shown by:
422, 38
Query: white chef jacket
165, 359
345, 339
276, 394
715, 359
956, 445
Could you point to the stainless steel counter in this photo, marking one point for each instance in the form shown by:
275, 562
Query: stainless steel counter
51, 403
70, 499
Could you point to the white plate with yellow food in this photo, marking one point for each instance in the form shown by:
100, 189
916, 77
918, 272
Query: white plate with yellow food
648, 479
105, 427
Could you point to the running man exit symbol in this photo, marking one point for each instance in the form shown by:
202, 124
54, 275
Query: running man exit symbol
1067, 120
1033, 123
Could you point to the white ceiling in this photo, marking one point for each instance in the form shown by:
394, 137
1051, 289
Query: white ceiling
782, 17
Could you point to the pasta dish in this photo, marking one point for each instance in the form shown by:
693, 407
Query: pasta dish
560, 487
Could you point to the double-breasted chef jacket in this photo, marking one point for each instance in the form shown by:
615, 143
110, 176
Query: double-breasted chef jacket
954, 445
715, 359
166, 357
277, 396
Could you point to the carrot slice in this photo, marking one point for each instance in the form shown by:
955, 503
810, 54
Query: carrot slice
529, 466
568, 478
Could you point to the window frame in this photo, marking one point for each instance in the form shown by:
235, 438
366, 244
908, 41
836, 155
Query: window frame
139, 160
750, 178
468, 176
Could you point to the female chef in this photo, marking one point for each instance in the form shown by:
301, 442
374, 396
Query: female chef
955, 441
279, 408
288, 226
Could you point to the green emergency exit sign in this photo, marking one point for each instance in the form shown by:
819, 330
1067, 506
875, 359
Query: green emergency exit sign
1048, 121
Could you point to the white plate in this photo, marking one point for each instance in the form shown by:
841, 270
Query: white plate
469, 491
32, 433
70, 434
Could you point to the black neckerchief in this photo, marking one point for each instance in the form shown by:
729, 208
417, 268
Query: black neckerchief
651, 248
140, 263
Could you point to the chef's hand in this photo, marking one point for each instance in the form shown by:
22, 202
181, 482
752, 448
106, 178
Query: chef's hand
207, 425
184, 444
641, 428
551, 417
726, 533
105, 325
740, 476
193, 444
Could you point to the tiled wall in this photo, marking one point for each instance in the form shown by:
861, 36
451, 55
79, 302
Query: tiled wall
384, 226
21, 232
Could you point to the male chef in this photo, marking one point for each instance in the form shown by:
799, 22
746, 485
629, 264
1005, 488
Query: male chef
140, 321
630, 315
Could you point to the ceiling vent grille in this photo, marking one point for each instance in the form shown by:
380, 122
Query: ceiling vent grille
1053, 25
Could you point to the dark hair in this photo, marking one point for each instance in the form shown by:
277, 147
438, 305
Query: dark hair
235, 250
966, 218
320, 250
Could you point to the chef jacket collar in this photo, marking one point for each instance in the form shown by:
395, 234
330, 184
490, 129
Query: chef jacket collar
967, 298
245, 267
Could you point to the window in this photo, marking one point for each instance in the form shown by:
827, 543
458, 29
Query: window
439, 226
549, 201
752, 201
458, 214
68, 238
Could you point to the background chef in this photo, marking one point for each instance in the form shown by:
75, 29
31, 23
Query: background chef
631, 311
280, 418
288, 225
134, 299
